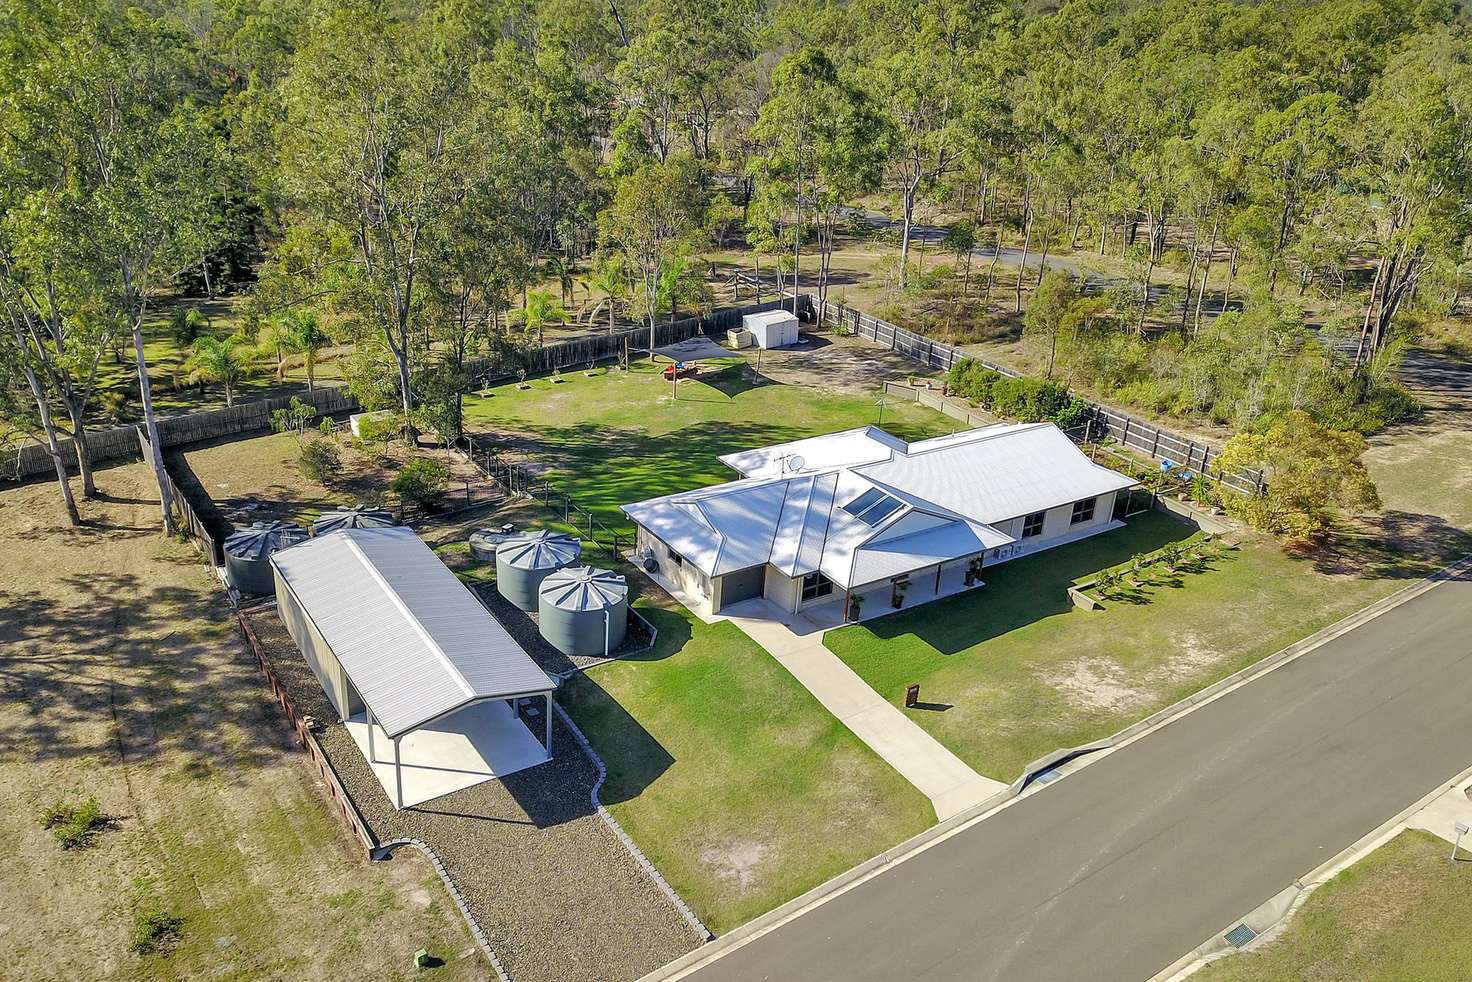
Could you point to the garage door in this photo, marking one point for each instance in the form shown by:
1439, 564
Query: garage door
744, 585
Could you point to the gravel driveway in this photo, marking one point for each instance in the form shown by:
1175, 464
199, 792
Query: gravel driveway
559, 897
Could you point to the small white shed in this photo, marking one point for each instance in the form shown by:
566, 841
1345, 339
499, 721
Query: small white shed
772, 328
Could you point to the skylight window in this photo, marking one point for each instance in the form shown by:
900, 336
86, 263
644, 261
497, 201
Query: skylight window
881, 511
873, 506
864, 501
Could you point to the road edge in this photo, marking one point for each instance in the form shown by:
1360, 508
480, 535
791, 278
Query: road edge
822, 893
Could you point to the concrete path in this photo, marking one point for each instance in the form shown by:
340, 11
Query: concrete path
797, 644
1117, 870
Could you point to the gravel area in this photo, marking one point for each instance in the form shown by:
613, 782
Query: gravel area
558, 895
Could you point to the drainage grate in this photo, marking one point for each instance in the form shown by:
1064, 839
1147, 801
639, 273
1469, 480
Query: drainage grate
1047, 776
1240, 936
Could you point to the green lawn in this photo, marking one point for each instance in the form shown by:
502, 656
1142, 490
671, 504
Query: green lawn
1025, 673
617, 438
1400, 913
735, 781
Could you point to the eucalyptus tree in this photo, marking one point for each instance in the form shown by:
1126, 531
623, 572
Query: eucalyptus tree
655, 215
823, 144
379, 140
102, 100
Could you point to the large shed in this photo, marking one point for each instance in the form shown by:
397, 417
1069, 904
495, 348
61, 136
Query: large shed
402, 648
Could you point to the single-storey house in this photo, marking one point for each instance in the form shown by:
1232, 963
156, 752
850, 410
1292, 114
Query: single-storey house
863, 515
426, 680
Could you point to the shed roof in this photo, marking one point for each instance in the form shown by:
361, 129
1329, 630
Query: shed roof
415, 643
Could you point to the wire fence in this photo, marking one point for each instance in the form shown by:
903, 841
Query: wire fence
188, 519
1104, 422
521, 478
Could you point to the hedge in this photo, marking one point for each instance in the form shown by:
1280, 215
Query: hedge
1030, 400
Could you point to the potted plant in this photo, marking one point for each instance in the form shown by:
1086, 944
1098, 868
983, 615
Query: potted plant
898, 587
855, 603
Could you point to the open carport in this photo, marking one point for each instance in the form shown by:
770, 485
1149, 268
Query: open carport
428, 683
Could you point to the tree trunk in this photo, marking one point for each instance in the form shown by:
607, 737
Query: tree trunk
84, 451
909, 220
1206, 275
1231, 272
1022, 263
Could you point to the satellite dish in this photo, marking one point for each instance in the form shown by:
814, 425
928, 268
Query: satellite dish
795, 462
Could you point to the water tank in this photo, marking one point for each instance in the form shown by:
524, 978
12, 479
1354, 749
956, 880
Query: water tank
248, 554
523, 561
484, 542
356, 517
571, 605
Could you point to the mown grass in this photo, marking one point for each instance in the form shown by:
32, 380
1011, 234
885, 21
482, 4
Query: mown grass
736, 782
618, 437
1400, 913
1016, 671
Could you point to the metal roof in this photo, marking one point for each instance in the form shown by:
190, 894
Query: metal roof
583, 588
542, 549
926, 502
262, 539
415, 643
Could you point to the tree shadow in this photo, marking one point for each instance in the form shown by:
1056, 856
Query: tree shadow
1394, 545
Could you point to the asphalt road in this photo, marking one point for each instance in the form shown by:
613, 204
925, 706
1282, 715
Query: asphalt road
1120, 868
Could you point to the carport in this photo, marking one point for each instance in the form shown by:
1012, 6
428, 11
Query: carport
428, 683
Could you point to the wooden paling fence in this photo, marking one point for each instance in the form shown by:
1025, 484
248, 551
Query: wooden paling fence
188, 519
1104, 421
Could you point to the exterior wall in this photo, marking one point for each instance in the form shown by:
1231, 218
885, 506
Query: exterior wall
781, 589
684, 576
1057, 527
314, 649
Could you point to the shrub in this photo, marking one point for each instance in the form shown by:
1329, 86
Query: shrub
295, 418
421, 481
154, 929
320, 460
187, 325
73, 823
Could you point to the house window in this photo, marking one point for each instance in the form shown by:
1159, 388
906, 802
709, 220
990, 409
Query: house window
815, 585
1033, 524
1083, 511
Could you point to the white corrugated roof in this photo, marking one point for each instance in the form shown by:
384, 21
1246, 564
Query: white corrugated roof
995, 474
950, 490
414, 641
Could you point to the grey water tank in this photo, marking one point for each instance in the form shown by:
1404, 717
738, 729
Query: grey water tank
523, 561
356, 517
571, 608
484, 542
248, 554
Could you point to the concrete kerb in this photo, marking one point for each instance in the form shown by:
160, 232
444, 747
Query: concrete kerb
850, 878
701, 931
387, 848
1269, 920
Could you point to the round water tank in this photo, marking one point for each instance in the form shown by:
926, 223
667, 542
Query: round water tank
523, 561
576, 605
484, 542
356, 517
248, 554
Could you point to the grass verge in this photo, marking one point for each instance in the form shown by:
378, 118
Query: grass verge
1401, 913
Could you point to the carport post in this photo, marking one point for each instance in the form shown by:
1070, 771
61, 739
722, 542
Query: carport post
370, 736
398, 777
547, 741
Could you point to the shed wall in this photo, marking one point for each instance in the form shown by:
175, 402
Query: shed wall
315, 650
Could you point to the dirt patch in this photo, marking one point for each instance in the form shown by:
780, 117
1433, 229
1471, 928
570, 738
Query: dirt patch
735, 863
837, 364
1104, 685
